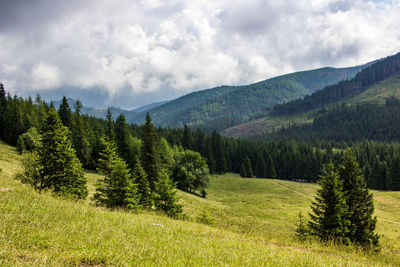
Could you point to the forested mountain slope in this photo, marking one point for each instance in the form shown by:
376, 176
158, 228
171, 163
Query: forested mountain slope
221, 107
374, 85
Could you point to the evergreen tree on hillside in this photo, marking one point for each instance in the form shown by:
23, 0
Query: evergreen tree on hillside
271, 172
395, 173
261, 168
243, 172
149, 153
219, 153
61, 170
80, 135
187, 142
328, 217
110, 126
116, 188
65, 113
3, 106
247, 165
359, 202
123, 139
143, 186
165, 198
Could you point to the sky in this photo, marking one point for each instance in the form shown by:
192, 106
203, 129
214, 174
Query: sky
129, 53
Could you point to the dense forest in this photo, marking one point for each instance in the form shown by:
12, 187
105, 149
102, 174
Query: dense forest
289, 160
338, 123
369, 76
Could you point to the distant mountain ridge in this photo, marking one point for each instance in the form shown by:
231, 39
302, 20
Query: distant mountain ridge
116, 111
221, 107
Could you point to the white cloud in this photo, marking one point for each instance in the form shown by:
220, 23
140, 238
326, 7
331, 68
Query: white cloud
149, 50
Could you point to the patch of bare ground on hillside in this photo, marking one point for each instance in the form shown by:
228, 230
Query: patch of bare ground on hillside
5, 189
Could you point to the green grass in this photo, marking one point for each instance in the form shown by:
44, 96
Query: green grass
252, 224
379, 92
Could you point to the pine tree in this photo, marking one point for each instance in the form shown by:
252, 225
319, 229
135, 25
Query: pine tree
243, 172
261, 167
328, 218
80, 135
187, 142
116, 188
61, 170
149, 155
395, 173
271, 172
65, 113
247, 165
143, 186
3, 106
123, 141
359, 202
110, 126
165, 198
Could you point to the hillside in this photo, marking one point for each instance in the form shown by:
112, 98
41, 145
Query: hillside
300, 112
221, 107
252, 224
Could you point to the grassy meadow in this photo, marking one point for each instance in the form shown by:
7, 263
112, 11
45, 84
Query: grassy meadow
242, 222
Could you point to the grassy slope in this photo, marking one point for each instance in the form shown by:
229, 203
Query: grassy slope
253, 225
375, 94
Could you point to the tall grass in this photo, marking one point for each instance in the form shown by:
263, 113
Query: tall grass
252, 225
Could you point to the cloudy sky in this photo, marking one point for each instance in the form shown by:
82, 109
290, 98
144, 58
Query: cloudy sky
129, 53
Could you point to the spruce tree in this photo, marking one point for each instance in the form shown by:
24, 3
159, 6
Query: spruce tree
395, 173
328, 218
165, 198
247, 165
61, 170
149, 153
3, 106
359, 202
243, 172
110, 126
271, 172
123, 141
143, 186
65, 113
80, 135
116, 188
261, 168
187, 142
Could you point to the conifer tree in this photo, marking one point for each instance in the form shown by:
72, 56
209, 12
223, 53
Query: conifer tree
143, 186
187, 142
395, 173
123, 141
61, 170
165, 198
359, 202
3, 106
149, 153
110, 126
271, 172
80, 135
116, 188
247, 165
328, 218
65, 113
243, 172
261, 167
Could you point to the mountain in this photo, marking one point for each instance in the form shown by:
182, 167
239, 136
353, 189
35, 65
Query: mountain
364, 107
224, 106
